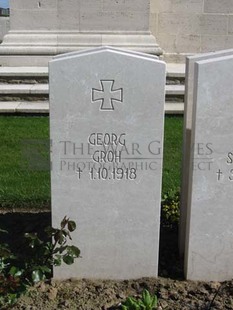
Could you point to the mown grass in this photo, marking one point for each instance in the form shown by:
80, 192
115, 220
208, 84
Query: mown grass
26, 184
173, 136
21, 186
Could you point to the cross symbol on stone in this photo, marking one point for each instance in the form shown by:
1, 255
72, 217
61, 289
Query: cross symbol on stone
107, 95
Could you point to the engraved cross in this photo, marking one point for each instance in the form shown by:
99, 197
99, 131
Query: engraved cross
107, 95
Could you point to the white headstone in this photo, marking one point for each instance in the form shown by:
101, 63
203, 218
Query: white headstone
209, 239
106, 117
187, 147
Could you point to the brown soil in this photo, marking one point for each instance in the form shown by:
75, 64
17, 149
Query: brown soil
91, 295
173, 292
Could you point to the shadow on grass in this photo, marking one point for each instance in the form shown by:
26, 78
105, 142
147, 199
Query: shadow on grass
170, 263
17, 224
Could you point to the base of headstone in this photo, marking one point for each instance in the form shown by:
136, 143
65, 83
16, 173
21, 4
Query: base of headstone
36, 48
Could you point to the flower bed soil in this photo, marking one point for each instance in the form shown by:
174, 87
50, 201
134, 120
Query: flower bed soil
173, 292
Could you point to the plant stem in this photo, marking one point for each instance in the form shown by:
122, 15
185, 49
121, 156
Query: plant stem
215, 295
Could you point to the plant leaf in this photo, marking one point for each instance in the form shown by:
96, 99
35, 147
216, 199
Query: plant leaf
15, 272
73, 250
64, 222
146, 298
3, 231
57, 260
154, 303
37, 276
71, 226
45, 269
68, 259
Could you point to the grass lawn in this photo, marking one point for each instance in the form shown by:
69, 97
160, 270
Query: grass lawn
21, 186
173, 137
22, 138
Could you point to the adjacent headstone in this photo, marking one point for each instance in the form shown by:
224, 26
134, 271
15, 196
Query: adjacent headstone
106, 118
187, 147
74, 25
209, 239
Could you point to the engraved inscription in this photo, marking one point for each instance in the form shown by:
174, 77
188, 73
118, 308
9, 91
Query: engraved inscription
107, 156
226, 173
219, 173
203, 156
107, 95
106, 139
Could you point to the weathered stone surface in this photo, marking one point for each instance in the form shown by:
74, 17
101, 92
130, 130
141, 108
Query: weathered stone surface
214, 6
48, 28
187, 27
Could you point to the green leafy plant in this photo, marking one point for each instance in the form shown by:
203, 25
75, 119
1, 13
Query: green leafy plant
43, 255
147, 302
10, 284
170, 212
17, 273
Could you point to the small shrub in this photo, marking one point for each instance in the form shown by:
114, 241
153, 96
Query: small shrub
170, 212
17, 273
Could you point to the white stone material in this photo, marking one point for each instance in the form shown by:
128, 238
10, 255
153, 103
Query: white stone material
175, 70
95, 94
52, 27
24, 107
209, 237
214, 6
43, 107
187, 27
81, 15
174, 107
4, 26
39, 89
23, 71
32, 107
8, 107
97, 49
181, 27
187, 131
175, 89
24, 89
